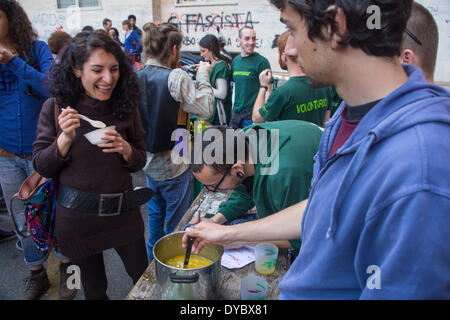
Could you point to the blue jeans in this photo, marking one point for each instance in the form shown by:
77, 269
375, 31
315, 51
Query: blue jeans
171, 199
241, 120
13, 171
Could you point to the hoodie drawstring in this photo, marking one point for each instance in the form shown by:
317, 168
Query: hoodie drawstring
351, 173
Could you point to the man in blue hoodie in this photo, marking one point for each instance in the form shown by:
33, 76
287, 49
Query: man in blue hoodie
382, 230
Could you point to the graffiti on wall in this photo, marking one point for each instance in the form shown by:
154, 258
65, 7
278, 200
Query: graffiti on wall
198, 22
230, 42
45, 23
195, 25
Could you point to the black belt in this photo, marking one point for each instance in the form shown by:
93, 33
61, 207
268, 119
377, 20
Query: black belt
102, 204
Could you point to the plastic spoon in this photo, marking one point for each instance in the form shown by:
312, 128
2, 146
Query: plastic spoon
94, 123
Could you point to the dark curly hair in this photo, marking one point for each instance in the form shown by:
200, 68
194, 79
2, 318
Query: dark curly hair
384, 42
67, 88
20, 27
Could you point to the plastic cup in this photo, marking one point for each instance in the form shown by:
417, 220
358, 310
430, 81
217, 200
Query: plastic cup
253, 288
266, 258
95, 137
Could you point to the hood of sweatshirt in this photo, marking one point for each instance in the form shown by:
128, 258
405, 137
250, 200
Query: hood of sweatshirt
400, 110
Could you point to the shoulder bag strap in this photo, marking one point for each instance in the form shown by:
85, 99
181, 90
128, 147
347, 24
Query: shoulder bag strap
14, 218
56, 114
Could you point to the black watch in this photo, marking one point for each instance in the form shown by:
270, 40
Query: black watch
265, 87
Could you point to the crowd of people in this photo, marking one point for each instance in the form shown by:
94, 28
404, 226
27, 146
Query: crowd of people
360, 181
132, 36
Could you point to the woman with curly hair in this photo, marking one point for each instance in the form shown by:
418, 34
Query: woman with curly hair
24, 62
96, 208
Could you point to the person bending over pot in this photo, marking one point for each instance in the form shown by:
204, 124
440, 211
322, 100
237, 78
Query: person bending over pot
272, 181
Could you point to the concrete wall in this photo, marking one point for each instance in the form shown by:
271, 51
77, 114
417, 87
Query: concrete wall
197, 21
46, 17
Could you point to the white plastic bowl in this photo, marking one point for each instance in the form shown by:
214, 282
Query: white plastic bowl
95, 137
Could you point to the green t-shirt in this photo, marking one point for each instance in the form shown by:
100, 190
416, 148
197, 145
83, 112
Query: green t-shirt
336, 103
296, 100
245, 72
298, 143
221, 71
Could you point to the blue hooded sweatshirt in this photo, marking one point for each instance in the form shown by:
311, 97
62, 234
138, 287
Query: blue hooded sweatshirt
19, 110
128, 44
377, 223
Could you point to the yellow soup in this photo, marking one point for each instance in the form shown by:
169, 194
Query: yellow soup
195, 262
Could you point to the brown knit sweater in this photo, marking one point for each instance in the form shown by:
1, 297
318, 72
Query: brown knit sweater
89, 169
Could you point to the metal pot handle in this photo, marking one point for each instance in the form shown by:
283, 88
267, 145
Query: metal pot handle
184, 279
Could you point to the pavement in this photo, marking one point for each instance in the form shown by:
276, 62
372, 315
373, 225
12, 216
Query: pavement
13, 270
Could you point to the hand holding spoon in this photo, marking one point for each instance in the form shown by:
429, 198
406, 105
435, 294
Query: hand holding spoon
94, 123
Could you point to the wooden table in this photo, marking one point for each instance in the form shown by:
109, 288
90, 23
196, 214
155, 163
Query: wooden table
229, 281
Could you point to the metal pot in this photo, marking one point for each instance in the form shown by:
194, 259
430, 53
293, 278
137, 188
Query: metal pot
186, 284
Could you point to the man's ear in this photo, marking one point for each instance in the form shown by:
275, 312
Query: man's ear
407, 57
340, 21
237, 168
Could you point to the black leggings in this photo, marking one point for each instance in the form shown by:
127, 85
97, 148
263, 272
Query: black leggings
93, 275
